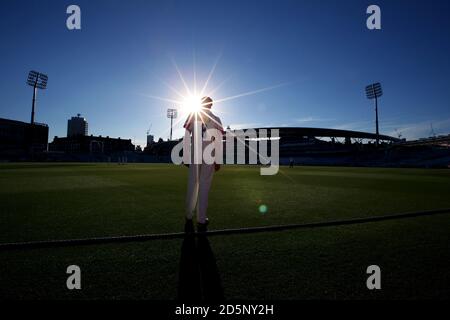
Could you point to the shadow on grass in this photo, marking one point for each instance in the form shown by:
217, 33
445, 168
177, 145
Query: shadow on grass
199, 278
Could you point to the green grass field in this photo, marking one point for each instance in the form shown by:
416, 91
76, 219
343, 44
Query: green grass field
60, 201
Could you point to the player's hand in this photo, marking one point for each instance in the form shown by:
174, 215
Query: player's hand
217, 166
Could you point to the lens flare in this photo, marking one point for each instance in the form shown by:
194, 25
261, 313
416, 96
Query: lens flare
263, 209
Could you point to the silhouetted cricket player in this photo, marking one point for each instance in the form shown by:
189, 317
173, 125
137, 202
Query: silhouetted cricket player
200, 175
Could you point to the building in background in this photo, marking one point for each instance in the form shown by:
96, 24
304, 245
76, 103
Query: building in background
77, 126
22, 140
79, 146
82, 144
150, 140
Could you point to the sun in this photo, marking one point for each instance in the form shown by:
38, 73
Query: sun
192, 104
189, 101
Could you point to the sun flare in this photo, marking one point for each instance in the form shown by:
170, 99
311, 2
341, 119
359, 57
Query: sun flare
192, 104
191, 101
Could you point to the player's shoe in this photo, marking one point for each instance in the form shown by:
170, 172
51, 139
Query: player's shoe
203, 227
189, 226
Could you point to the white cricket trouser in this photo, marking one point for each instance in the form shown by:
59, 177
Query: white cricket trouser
199, 183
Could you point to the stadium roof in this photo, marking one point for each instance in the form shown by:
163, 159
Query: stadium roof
324, 132
5, 121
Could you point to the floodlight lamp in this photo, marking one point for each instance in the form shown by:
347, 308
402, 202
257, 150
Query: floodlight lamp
172, 113
374, 91
38, 80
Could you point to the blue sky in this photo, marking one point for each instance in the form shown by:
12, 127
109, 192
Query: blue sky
320, 52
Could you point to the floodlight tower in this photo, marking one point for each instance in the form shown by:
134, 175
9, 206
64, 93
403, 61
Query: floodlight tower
373, 92
37, 81
172, 114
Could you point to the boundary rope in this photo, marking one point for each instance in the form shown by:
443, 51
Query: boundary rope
178, 235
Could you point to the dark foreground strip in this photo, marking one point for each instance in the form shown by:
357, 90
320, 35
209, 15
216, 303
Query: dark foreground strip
178, 235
